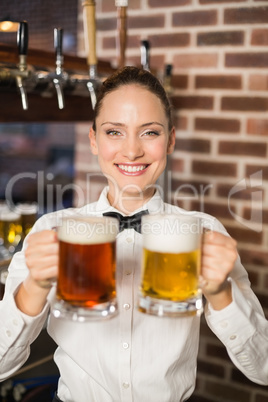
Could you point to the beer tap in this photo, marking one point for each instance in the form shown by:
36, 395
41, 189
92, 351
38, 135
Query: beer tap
90, 45
145, 54
59, 78
122, 30
22, 73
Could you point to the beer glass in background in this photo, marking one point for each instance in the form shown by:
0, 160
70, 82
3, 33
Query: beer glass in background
86, 286
28, 214
171, 265
10, 229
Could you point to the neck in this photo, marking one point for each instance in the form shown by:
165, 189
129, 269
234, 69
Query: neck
128, 202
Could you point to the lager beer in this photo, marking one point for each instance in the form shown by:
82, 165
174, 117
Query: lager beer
87, 261
170, 265
10, 228
28, 214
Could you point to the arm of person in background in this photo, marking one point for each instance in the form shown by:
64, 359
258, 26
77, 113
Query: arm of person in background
24, 308
233, 312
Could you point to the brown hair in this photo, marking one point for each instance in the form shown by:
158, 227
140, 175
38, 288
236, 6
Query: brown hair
133, 75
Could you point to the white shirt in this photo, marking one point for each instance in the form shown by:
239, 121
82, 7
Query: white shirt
133, 357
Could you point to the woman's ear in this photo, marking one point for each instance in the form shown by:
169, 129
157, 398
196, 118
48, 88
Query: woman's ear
93, 142
171, 141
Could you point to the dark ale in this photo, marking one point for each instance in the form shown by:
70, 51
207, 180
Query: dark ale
86, 273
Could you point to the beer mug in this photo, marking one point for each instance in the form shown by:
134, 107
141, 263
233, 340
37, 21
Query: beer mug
10, 229
171, 265
86, 287
28, 212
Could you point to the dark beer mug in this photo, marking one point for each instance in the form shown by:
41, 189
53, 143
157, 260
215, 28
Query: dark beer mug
86, 287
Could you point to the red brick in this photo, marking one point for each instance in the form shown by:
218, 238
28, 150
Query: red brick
259, 37
192, 102
218, 81
243, 148
249, 15
243, 235
201, 60
105, 24
168, 3
253, 169
226, 191
109, 43
190, 188
257, 126
258, 82
217, 351
249, 213
169, 40
254, 257
246, 60
179, 81
177, 165
217, 125
192, 145
146, 21
194, 18
211, 168
244, 103
214, 370
180, 122
220, 211
220, 38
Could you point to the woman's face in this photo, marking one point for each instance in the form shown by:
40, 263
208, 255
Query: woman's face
132, 140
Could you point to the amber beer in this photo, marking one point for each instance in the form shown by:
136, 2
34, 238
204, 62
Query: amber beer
170, 265
10, 228
87, 262
28, 214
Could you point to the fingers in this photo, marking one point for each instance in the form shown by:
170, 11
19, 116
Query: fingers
41, 255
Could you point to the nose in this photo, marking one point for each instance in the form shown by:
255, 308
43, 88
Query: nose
133, 148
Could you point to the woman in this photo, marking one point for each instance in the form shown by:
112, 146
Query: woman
132, 357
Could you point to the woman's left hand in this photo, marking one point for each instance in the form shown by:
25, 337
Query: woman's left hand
219, 254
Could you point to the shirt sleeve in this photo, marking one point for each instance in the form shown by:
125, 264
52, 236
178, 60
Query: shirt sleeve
243, 328
17, 330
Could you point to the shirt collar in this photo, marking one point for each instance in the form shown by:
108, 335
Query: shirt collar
154, 205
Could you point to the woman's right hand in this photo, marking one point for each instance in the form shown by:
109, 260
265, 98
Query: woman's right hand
41, 256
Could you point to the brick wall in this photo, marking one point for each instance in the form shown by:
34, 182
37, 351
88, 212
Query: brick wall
218, 49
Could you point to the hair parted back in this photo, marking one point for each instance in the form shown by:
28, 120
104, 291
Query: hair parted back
133, 75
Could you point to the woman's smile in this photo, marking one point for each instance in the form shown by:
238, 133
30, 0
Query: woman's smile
132, 169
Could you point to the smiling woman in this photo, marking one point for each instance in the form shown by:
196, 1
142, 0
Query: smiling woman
132, 357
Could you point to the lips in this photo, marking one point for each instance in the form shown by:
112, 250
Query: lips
132, 169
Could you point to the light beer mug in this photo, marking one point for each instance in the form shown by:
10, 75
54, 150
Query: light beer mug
28, 212
10, 229
171, 265
86, 287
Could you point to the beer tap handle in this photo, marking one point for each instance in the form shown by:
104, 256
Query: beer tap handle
122, 30
22, 42
57, 80
58, 39
90, 35
145, 54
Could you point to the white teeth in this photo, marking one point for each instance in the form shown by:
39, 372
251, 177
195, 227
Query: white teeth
128, 168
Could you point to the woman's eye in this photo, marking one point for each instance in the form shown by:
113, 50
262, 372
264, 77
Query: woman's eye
112, 133
151, 133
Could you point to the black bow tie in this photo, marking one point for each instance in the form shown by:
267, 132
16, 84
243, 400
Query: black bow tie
128, 222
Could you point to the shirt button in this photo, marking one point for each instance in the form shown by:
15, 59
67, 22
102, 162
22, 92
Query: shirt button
125, 385
125, 345
129, 240
126, 306
233, 337
8, 333
15, 322
128, 272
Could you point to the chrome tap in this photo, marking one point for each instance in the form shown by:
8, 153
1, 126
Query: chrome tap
60, 77
22, 73
145, 54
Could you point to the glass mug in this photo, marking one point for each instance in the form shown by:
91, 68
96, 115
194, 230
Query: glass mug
171, 265
86, 287
10, 229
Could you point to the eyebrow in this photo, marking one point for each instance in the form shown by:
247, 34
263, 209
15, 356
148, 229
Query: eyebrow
123, 125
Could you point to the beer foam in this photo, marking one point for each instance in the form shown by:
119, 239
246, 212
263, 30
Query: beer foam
9, 216
88, 230
171, 233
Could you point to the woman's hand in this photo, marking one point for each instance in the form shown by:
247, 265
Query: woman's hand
219, 254
41, 256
